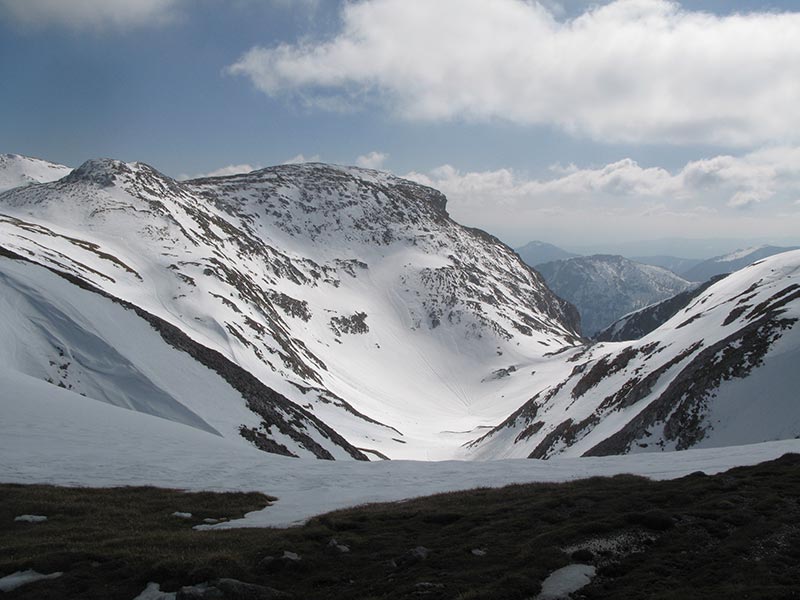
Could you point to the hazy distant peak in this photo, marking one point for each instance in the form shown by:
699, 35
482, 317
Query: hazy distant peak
538, 252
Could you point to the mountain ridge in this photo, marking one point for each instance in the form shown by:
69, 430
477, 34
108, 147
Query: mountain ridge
718, 370
298, 273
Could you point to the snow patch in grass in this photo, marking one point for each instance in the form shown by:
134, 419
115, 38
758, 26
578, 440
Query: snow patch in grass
30, 519
561, 583
153, 592
20, 578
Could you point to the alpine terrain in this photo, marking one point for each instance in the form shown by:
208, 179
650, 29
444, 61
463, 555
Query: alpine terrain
640, 322
330, 304
16, 171
718, 373
605, 287
334, 312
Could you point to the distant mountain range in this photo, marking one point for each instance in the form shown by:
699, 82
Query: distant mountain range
733, 261
693, 269
606, 287
677, 265
688, 248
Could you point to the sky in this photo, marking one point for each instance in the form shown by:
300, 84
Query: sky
578, 123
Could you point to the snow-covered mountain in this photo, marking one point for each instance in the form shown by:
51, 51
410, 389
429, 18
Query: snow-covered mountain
334, 312
733, 261
640, 322
536, 252
347, 292
17, 170
605, 287
78, 339
722, 371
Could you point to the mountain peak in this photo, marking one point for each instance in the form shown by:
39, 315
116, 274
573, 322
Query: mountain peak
106, 171
537, 252
372, 197
18, 170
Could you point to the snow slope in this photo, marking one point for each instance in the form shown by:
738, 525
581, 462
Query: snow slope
17, 170
606, 287
348, 291
52, 435
335, 312
640, 322
721, 371
78, 340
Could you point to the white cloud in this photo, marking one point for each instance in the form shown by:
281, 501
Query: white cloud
299, 159
90, 13
628, 71
224, 171
725, 195
372, 160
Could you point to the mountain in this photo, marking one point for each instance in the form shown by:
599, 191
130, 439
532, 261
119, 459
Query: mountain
333, 312
606, 287
17, 170
535, 253
637, 324
66, 333
728, 263
672, 263
332, 300
722, 371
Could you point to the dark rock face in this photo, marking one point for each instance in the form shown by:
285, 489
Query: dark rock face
353, 324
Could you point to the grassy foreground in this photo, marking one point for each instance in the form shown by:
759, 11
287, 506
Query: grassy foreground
733, 535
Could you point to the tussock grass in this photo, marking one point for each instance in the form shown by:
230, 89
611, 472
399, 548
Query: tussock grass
733, 535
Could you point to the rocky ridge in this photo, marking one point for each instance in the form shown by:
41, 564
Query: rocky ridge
717, 373
303, 275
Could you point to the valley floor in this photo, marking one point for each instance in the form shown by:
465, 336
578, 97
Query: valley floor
50, 435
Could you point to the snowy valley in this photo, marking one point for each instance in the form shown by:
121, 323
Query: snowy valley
339, 313
225, 334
